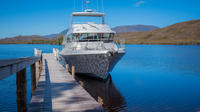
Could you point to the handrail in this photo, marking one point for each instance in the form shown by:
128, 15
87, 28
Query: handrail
9, 67
9, 62
100, 39
86, 22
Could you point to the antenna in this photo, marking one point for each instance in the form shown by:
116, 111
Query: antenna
82, 5
87, 3
102, 6
97, 5
74, 5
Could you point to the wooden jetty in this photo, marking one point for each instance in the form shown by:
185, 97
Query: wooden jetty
53, 88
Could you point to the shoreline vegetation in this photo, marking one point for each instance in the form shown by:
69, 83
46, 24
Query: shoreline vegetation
58, 41
38, 40
54, 41
184, 33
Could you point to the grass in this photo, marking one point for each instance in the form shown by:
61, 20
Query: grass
164, 42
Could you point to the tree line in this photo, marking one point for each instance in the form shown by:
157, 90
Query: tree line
55, 41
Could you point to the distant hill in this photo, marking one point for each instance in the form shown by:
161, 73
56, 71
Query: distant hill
51, 35
134, 28
118, 29
21, 39
180, 33
64, 32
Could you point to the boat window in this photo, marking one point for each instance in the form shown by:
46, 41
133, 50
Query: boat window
111, 36
83, 36
93, 36
69, 36
106, 35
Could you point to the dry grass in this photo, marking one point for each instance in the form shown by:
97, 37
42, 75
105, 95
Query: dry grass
181, 33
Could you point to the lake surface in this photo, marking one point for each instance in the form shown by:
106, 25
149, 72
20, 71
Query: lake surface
149, 78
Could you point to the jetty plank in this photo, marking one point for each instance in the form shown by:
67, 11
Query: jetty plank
58, 91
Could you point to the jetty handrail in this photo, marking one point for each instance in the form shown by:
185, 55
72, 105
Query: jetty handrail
9, 67
9, 62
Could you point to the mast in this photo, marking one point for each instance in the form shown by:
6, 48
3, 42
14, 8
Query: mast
87, 4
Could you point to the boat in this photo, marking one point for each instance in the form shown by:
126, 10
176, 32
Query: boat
91, 46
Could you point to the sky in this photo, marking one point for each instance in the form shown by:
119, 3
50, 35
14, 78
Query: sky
43, 17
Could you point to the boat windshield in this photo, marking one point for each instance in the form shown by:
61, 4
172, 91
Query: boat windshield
82, 37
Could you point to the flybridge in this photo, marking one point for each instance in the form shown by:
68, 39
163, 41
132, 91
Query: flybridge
88, 14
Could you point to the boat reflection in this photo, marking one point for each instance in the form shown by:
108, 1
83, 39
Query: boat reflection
104, 92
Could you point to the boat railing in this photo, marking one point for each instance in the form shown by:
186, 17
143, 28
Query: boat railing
89, 40
56, 53
120, 42
86, 22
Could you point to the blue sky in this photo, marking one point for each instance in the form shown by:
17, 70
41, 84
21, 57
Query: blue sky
43, 17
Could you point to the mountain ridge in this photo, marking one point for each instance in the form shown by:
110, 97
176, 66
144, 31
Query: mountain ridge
179, 33
118, 29
21, 39
134, 28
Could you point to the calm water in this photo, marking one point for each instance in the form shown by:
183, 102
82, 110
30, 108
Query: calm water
149, 78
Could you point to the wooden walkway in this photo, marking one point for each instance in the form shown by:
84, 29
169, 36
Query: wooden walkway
57, 91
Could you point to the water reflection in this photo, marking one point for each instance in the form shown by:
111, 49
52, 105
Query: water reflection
105, 92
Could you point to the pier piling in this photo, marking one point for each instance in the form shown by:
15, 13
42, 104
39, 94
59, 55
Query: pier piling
21, 90
33, 78
100, 100
73, 71
67, 67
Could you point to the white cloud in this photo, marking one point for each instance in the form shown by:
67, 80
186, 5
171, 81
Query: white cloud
139, 3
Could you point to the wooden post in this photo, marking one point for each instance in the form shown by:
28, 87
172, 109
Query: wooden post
54, 52
35, 51
100, 100
81, 83
37, 66
67, 67
21, 90
40, 62
33, 78
73, 71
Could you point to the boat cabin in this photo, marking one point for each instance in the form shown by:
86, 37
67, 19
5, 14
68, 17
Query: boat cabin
89, 31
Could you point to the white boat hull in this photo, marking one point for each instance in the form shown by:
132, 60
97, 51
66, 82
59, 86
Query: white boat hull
95, 65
